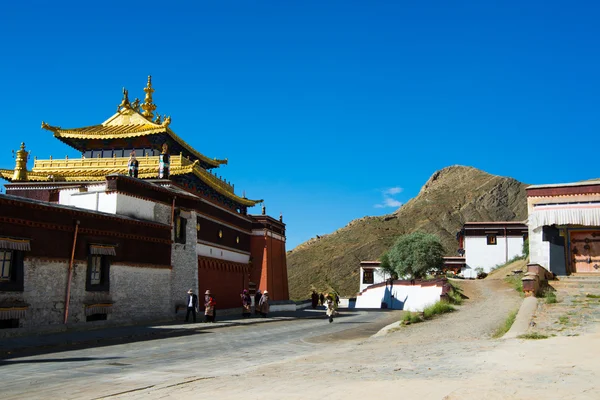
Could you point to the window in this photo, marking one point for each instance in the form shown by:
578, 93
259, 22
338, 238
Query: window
11, 270
368, 276
180, 226
6, 257
491, 239
98, 273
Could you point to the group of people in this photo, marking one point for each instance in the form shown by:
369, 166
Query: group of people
210, 304
261, 305
331, 301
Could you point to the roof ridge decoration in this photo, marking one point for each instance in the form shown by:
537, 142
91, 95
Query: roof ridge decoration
125, 102
148, 106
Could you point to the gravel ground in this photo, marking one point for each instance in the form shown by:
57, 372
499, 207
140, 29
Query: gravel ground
450, 357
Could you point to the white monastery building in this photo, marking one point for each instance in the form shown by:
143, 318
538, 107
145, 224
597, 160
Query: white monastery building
488, 244
564, 227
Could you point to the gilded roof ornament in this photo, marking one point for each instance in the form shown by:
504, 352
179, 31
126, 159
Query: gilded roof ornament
50, 127
125, 102
136, 104
148, 106
20, 173
167, 121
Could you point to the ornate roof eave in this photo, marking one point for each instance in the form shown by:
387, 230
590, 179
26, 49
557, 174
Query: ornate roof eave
111, 133
213, 182
82, 175
7, 174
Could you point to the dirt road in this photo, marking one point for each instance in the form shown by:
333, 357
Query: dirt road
452, 357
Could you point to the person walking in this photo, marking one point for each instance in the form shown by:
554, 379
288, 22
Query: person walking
321, 299
257, 298
209, 307
330, 307
192, 305
264, 304
314, 297
246, 304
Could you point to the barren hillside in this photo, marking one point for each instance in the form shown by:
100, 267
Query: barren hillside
450, 197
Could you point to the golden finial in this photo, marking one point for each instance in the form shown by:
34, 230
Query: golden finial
20, 173
148, 106
125, 101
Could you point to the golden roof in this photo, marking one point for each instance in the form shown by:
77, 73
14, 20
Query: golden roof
96, 169
129, 122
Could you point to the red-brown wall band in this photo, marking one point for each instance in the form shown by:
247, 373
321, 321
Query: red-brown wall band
269, 267
224, 279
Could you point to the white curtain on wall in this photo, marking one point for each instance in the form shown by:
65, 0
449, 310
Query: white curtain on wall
588, 215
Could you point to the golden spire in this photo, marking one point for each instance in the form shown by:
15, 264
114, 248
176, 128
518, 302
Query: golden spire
21, 164
148, 106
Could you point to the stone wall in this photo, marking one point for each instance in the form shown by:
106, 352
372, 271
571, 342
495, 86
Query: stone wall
185, 262
140, 294
137, 293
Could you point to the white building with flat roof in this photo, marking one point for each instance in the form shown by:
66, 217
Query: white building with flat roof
486, 245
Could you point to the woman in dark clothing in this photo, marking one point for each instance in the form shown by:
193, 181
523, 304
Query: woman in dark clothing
257, 297
246, 304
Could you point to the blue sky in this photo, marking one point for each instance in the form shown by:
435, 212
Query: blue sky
329, 110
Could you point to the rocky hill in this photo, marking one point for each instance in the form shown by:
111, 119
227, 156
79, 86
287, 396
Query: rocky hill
451, 196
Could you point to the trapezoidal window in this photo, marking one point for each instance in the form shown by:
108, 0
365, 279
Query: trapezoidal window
368, 276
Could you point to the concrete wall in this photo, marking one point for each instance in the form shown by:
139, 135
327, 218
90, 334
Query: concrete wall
480, 254
378, 277
400, 297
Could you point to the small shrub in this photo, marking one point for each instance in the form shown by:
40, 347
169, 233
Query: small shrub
533, 336
563, 319
440, 307
454, 295
505, 327
516, 282
411, 318
592, 296
550, 297
526, 248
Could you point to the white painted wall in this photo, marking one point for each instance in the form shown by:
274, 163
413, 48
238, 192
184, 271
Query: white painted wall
479, 254
222, 254
134, 207
64, 195
410, 298
539, 251
378, 277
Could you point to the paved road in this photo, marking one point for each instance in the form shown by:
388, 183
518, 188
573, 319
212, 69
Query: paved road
106, 371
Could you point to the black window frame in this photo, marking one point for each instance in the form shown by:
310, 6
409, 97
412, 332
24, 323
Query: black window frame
180, 229
367, 272
492, 239
16, 281
104, 285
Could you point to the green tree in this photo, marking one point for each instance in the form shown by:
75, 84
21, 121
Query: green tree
414, 255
